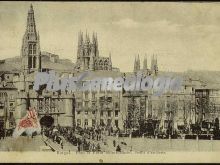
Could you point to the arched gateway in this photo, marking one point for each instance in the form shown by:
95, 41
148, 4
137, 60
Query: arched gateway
46, 121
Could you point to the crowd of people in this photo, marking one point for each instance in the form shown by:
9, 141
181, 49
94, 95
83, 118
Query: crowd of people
53, 135
87, 139
5, 133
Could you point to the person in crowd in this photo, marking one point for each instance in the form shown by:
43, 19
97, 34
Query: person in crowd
118, 148
98, 148
93, 147
114, 143
61, 143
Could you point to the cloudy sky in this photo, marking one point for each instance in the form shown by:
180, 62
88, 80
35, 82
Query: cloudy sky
183, 35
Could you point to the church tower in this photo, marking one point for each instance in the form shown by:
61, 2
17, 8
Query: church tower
145, 63
30, 50
154, 66
137, 64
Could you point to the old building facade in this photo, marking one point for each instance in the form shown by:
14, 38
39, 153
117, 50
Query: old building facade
88, 54
111, 109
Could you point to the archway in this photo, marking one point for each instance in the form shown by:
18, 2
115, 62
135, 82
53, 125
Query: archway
47, 121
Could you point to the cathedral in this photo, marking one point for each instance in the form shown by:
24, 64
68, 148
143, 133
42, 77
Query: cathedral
88, 55
152, 70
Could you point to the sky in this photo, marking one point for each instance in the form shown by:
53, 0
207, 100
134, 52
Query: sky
184, 36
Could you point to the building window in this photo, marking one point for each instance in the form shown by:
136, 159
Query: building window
10, 114
29, 62
11, 97
101, 105
93, 112
53, 105
34, 62
101, 113
116, 113
34, 49
86, 104
79, 105
109, 113
30, 49
116, 105
93, 95
78, 122
78, 112
101, 99
86, 95
116, 123
93, 122
31, 27
109, 99
86, 121
40, 105
109, 122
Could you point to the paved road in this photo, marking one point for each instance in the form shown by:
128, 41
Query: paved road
22, 143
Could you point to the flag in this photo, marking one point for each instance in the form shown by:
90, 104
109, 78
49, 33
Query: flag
28, 124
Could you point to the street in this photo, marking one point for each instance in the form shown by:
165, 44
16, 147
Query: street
24, 143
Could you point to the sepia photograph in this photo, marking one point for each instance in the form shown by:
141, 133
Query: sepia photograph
109, 82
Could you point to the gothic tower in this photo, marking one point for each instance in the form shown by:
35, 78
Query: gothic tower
152, 63
30, 50
137, 64
87, 52
110, 62
95, 45
145, 63
154, 66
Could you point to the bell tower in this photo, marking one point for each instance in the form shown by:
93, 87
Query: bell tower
30, 50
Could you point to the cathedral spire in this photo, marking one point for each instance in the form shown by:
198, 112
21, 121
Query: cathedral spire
145, 63
96, 38
93, 38
80, 38
87, 40
30, 49
96, 44
138, 63
152, 62
110, 57
135, 64
31, 27
31, 8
